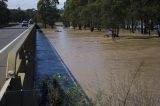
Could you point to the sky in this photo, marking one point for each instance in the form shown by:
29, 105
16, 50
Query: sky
28, 4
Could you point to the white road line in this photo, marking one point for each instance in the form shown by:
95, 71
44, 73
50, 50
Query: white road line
2, 50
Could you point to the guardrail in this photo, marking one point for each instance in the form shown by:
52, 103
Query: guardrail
20, 61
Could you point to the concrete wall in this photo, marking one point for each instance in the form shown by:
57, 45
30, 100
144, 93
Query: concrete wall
19, 98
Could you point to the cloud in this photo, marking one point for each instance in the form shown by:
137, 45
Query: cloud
61, 3
26, 4
62, 0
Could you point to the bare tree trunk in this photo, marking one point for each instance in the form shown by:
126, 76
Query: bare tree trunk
151, 25
149, 31
45, 25
132, 26
52, 26
80, 27
145, 26
158, 31
128, 27
92, 28
113, 33
74, 26
149, 28
117, 33
84, 27
142, 29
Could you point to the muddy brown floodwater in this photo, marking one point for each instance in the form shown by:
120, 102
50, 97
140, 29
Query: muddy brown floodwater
99, 63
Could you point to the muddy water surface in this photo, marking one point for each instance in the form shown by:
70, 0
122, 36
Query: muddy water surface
99, 63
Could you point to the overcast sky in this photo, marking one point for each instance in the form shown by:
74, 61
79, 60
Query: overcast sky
28, 4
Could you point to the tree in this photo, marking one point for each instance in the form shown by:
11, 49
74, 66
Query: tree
114, 14
52, 16
18, 15
94, 15
4, 13
47, 11
71, 11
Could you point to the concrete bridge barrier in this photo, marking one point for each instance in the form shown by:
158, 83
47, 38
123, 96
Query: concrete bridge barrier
18, 88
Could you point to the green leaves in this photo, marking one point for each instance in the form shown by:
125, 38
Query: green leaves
4, 13
48, 12
74, 97
113, 13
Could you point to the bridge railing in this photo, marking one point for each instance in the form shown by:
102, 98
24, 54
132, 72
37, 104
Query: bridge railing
20, 65
21, 54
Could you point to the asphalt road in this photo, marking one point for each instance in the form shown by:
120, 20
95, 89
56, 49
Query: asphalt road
7, 35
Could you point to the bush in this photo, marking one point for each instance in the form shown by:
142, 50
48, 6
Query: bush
52, 93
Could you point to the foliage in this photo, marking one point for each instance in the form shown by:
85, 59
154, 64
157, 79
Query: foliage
74, 97
15, 15
53, 94
48, 12
18, 15
113, 14
4, 13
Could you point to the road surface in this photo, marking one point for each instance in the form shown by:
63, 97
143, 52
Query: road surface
7, 35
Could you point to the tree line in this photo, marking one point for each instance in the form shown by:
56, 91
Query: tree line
14, 15
47, 13
4, 13
18, 15
115, 14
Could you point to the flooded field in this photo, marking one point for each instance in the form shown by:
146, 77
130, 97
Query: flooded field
100, 64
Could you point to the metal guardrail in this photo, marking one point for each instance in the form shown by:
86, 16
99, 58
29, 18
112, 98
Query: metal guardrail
19, 59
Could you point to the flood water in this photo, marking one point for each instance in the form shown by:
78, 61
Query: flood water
49, 64
100, 64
